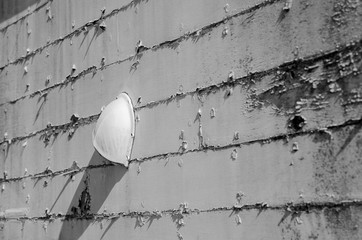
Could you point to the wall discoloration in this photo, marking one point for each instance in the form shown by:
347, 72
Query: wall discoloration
84, 203
335, 172
248, 119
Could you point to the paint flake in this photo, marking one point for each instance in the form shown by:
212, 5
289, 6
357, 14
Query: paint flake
238, 219
295, 147
212, 112
287, 5
234, 154
231, 76
236, 136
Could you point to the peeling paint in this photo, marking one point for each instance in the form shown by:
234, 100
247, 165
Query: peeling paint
234, 155
294, 208
188, 35
297, 89
287, 5
283, 137
295, 147
91, 69
238, 219
212, 112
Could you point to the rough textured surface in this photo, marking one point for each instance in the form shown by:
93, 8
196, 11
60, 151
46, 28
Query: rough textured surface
248, 119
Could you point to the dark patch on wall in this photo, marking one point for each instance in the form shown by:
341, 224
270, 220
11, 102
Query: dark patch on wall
297, 122
344, 223
336, 22
337, 164
10, 8
85, 200
90, 195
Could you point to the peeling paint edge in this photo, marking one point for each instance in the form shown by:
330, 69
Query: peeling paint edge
93, 69
268, 140
237, 81
214, 87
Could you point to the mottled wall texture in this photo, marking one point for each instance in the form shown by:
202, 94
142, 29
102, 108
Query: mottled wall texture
248, 119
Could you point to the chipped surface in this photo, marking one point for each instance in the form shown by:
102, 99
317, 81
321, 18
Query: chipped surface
248, 119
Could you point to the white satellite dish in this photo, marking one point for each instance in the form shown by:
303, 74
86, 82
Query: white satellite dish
114, 131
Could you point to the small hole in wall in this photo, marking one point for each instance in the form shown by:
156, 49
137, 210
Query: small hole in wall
297, 122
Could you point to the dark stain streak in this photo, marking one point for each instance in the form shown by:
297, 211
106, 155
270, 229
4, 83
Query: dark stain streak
60, 193
285, 216
84, 37
349, 139
248, 19
97, 32
152, 218
43, 98
283, 13
113, 220
172, 44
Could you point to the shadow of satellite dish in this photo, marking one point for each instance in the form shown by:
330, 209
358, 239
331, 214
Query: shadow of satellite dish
112, 138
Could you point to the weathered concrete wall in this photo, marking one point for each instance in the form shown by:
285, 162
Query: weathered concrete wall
248, 119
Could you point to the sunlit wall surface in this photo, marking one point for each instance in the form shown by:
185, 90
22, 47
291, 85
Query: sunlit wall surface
247, 119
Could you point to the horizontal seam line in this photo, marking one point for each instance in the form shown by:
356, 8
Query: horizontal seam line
91, 119
292, 208
287, 136
155, 47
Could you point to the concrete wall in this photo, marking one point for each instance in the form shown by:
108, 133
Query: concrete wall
248, 119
